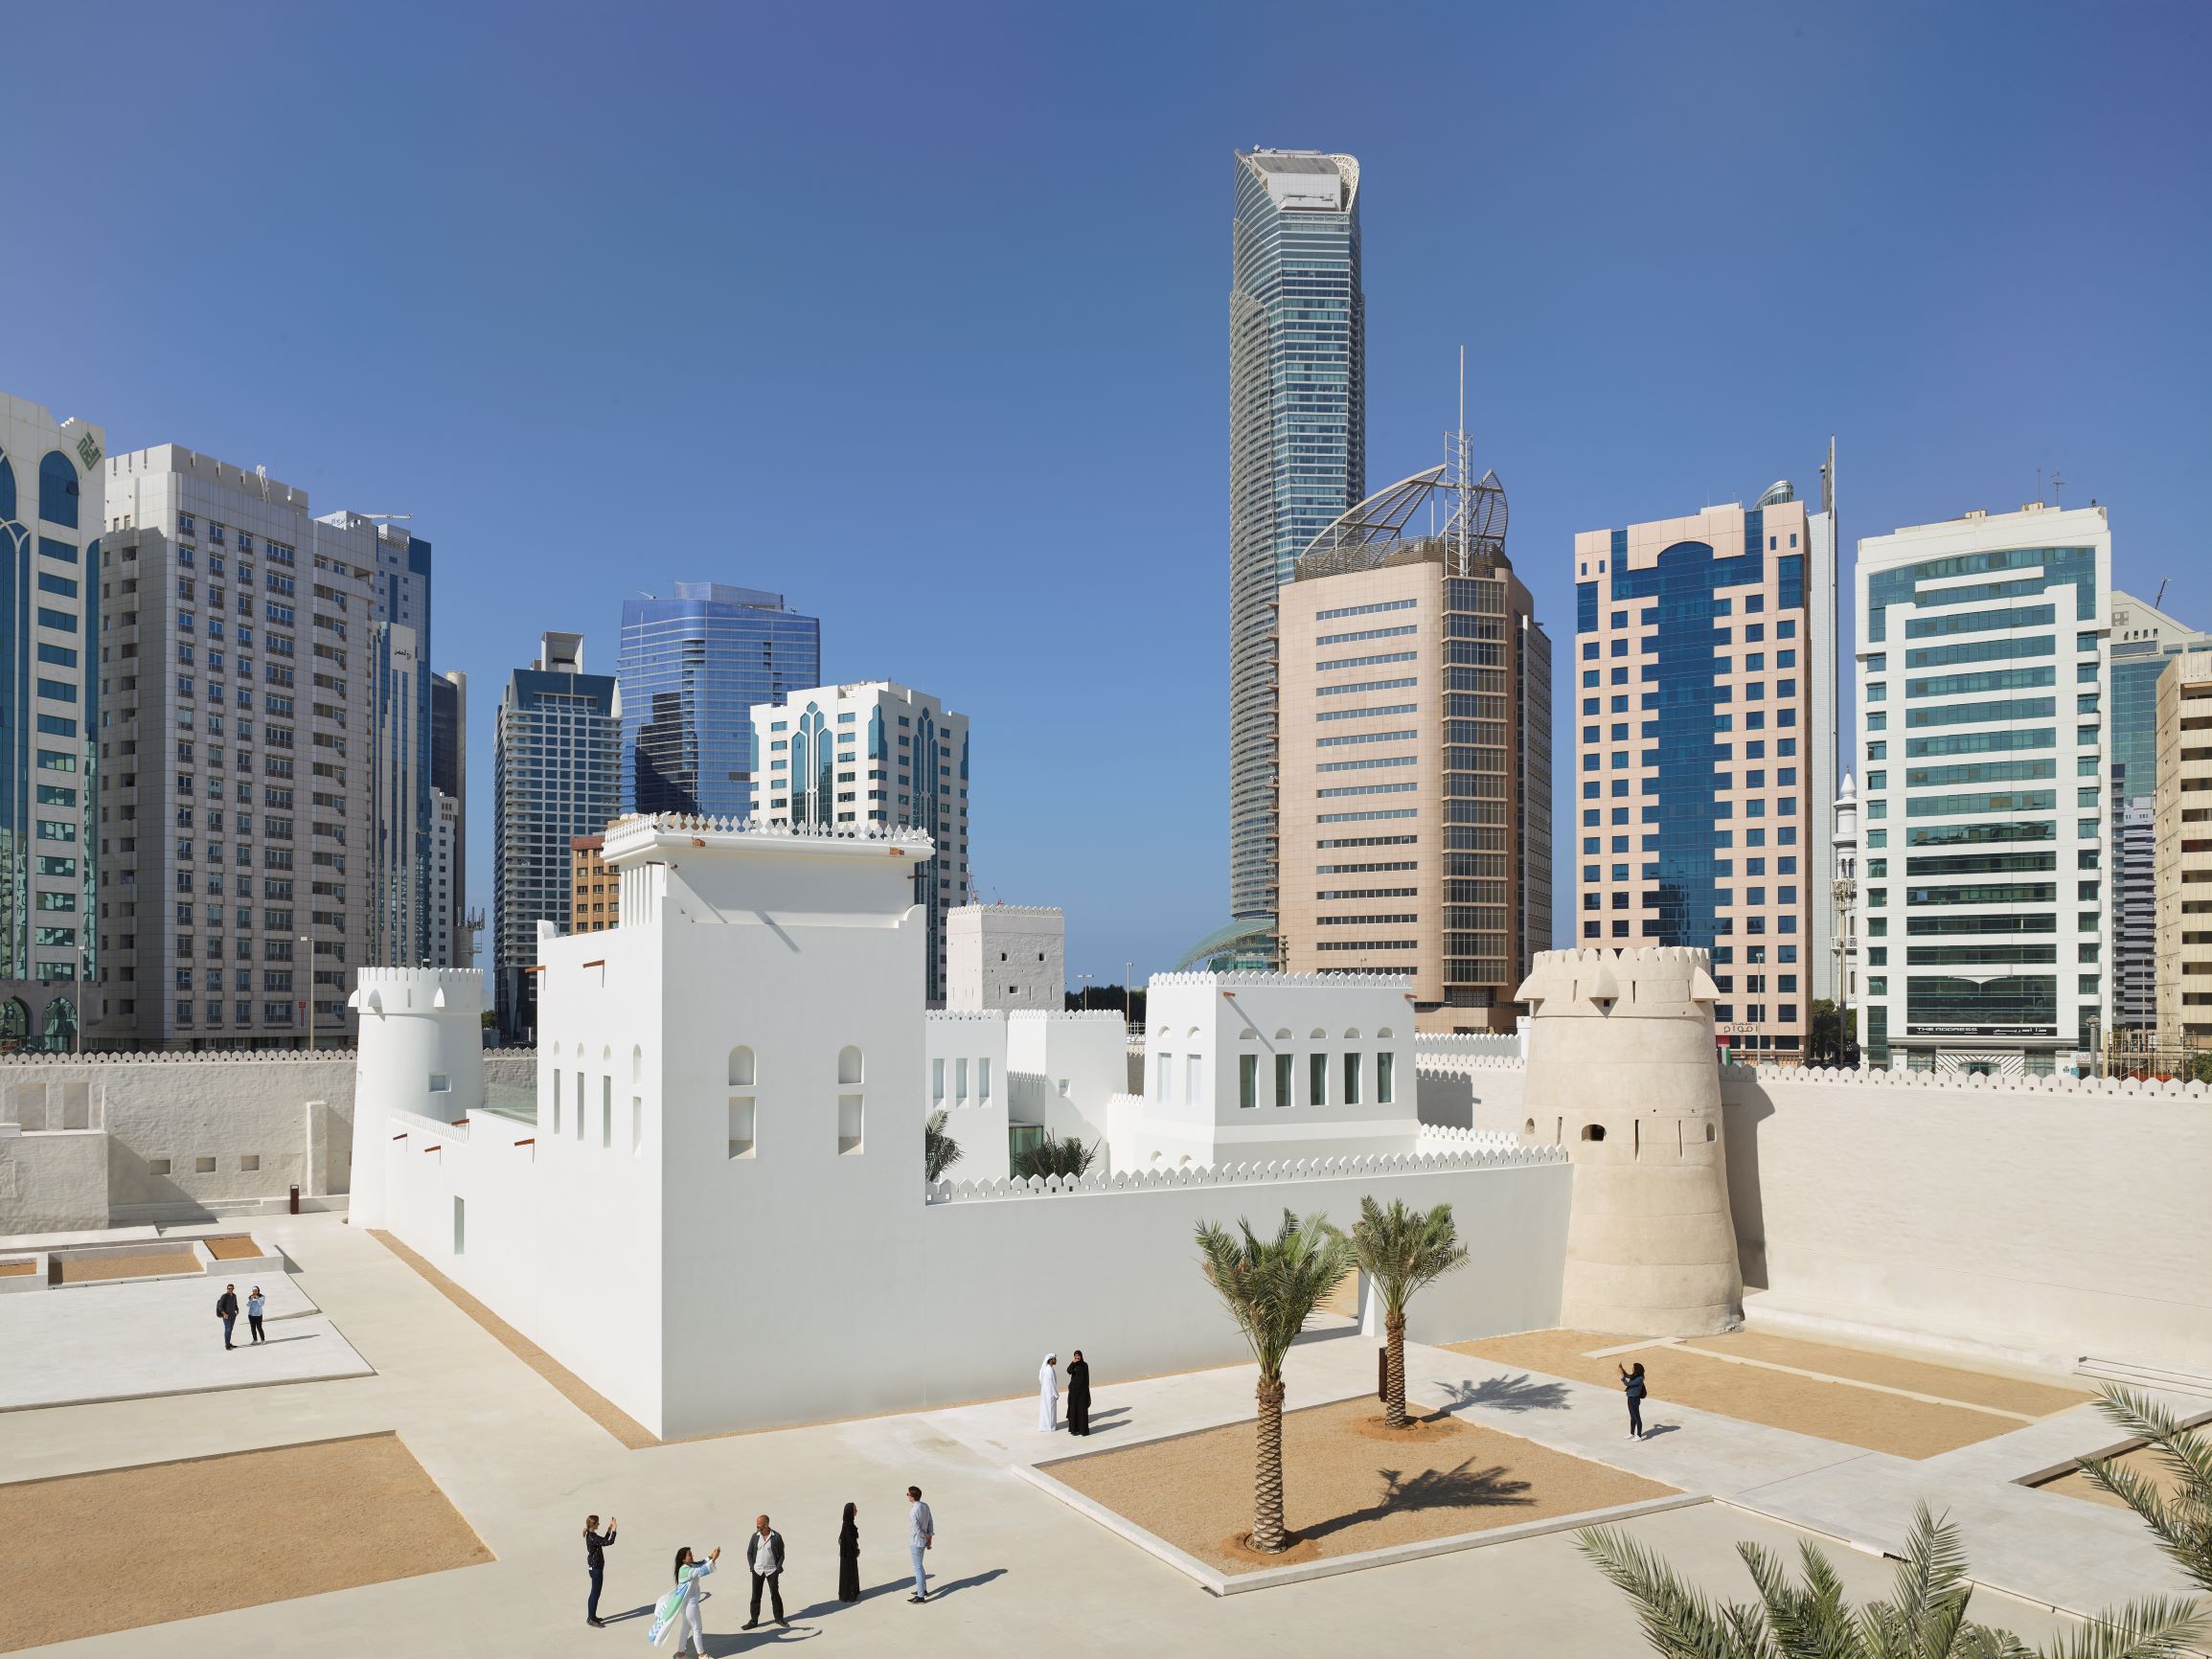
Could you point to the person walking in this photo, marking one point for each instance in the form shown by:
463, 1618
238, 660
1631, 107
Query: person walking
681, 1605
1632, 1384
226, 1310
849, 1556
1048, 1394
256, 1303
1078, 1395
921, 1535
596, 1544
764, 1556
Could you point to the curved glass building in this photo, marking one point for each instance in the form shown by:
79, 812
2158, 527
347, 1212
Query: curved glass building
1297, 446
692, 670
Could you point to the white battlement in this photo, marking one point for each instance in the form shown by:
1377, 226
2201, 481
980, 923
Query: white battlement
1502, 1155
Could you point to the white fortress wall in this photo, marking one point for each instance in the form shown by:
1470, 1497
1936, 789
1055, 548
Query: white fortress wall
2049, 1218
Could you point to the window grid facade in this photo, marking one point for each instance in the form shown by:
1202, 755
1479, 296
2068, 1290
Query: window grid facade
1698, 697
1984, 904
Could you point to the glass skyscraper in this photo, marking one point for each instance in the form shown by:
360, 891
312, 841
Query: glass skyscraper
1297, 454
1984, 734
692, 670
1705, 791
552, 779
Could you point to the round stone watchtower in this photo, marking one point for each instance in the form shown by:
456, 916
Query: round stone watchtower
420, 1051
1622, 1069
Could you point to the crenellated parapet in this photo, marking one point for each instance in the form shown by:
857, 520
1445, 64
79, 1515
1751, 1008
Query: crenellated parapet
180, 1058
1649, 982
1257, 979
1500, 1154
1969, 1083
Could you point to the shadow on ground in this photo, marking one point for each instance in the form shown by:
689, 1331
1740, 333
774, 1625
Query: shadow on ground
1506, 1393
1462, 1487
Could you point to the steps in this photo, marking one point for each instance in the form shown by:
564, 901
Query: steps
2129, 1374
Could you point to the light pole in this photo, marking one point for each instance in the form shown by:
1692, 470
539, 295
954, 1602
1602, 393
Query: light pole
309, 940
1087, 978
1129, 990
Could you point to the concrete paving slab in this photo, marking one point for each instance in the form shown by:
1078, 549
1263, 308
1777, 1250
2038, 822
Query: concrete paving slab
77, 1344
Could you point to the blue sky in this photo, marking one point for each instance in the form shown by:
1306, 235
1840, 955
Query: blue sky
918, 314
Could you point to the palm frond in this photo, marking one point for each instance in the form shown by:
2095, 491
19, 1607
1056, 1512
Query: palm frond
1271, 1286
2162, 1628
1401, 1250
1679, 1621
2181, 1520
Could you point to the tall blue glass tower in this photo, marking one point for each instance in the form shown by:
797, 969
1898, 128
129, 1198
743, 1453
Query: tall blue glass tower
1297, 454
691, 668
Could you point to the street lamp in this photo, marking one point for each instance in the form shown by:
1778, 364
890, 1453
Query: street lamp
1087, 978
309, 940
1129, 990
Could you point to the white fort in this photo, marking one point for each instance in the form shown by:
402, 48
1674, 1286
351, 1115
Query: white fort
718, 1218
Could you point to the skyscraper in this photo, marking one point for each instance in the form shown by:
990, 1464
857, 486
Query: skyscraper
451, 942
691, 668
1297, 457
1415, 744
1705, 791
874, 753
1984, 927
51, 515
2144, 640
555, 765
269, 784
2183, 861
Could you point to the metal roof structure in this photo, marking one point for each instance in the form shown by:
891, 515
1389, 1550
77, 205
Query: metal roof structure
1374, 534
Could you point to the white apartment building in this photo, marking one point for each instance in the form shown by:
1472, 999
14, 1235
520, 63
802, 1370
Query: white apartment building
1005, 956
874, 752
50, 520
262, 731
1982, 730
448, 944
1843, 906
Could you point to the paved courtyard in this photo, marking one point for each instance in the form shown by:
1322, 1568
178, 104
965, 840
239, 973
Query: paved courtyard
523, 1466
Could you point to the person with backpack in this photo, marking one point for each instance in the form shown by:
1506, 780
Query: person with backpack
226, 1310
1633, 1382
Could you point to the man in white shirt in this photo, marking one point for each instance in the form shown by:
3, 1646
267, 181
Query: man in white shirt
764, 1556
920, 1529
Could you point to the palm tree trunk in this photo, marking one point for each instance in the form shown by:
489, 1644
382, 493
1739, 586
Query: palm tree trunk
1267, 1474
1394, 1371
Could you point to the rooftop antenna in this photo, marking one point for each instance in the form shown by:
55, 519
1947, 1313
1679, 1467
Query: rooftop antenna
2038, 484
2056, 484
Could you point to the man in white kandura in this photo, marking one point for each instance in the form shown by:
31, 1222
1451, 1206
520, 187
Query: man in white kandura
1048, 1394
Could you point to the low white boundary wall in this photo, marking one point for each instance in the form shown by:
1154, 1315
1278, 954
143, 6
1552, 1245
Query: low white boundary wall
2051, 1217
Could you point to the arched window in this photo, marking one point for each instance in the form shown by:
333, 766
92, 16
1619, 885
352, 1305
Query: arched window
1352, 1035
1383, 1035
741, 1067
6, 489
1593, 1131
636, 1066
15, 1024
57, 490
1529, 1128
849, 1066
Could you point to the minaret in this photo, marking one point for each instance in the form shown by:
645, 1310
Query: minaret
1622, 1070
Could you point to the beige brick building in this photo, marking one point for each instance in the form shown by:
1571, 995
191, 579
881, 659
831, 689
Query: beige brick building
1414, 737
2184, 852
594, 894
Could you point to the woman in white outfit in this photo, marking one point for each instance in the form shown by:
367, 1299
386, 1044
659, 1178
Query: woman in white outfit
1048, 1394
680, 1606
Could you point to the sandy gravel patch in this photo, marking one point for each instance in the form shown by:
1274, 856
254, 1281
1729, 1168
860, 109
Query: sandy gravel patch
208, 1535
91, 1269
2142, 1461
237, 1248
17, 1269
1921, 1377
1836, 1410
1350, 1485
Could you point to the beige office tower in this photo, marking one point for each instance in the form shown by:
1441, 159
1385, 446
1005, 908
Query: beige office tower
1415, 754
2184, 853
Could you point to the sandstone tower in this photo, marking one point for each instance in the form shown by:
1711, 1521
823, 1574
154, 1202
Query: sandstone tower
1622, 1070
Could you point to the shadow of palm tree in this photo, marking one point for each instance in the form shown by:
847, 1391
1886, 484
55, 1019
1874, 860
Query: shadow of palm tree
1463, 1488
1506, 1393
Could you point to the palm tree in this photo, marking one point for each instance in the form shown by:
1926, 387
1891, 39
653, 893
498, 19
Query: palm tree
940, 1152
1269, 1286
2181, 1521
1066, 1156
1401, 1250
1924, 1617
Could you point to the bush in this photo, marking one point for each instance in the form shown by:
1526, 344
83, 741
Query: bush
1065, 1158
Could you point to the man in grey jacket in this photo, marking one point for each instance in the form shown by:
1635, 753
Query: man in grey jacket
920, 1529
764, 1556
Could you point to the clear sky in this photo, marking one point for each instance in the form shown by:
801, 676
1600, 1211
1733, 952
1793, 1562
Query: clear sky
918, 314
